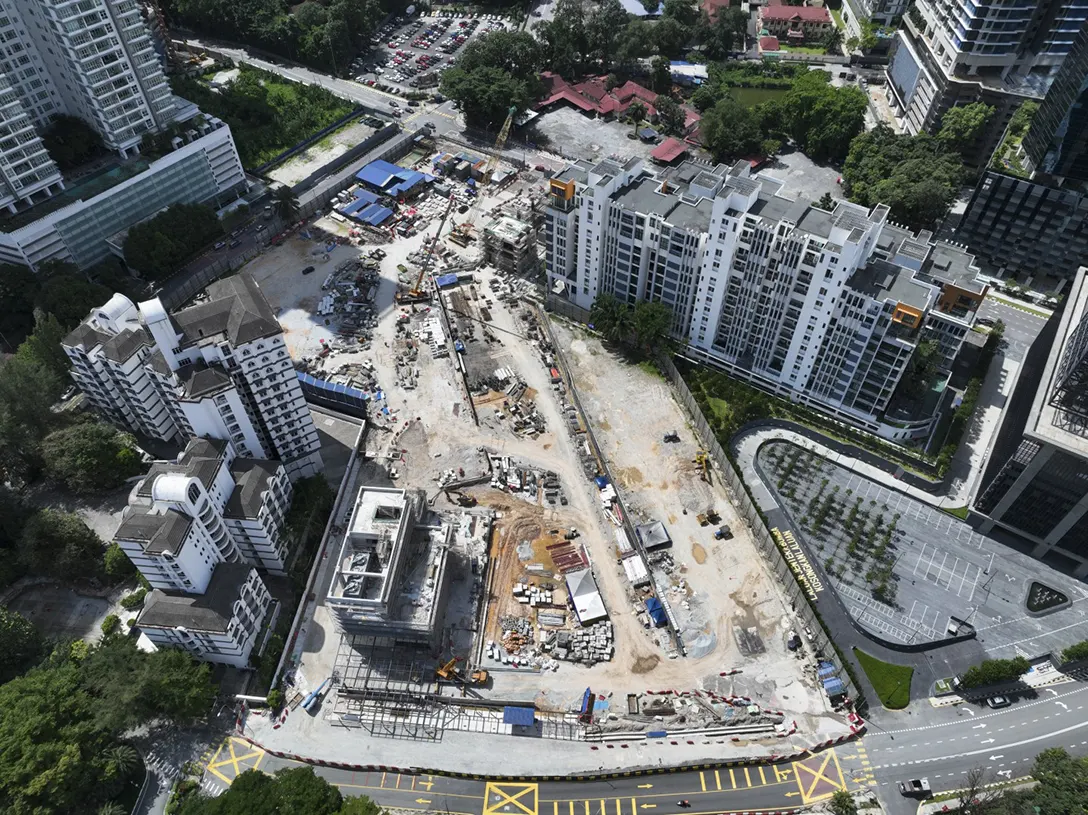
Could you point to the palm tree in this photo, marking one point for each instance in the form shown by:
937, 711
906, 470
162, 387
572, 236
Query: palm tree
611, 317
122, 759
112, 808
286, 204
636, 111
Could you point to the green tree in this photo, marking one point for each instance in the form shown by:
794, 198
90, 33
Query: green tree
994, 672
66, 293
43, 348
287, 205
359, 805
1063, 783
634, 41
670, 116
636, 112
963, 124
487, 94
297, 791
660, 75
517, 53
919, 376
916, 176
23, 423
832, 41
821, 119
1076, 652
110, 624
20, 644
651, 323
724, 33
13, 514
842, 803
91, 456
611, 317
685, 12
71, 142
58, 544
18, 290
564, 40
729, 130
671, 37
826, 202
116, 564
604, 23
160, 246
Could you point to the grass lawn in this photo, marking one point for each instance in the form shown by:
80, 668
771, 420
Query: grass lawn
959, 512
836, 15
803, 49
892, 682
943, 686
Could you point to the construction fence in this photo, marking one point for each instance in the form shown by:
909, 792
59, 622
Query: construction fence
746, 507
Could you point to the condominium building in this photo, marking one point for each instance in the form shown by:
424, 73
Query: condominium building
1017, 226
1037, 480
95, 60
391, 577
825, 308
1000, 52
1056, 144
878, 12
218, 369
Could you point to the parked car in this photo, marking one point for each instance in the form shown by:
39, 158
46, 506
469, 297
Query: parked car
234, 244
916, 788
219, 246
308, 270
997, 702
260, 228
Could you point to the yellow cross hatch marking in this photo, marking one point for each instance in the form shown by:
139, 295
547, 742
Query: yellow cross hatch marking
523, 797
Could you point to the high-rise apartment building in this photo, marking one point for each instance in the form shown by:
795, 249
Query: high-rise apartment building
878, 12
825, 308
219, 369
1001, 52
198, 529
95, 60
1056, 144
1037, 482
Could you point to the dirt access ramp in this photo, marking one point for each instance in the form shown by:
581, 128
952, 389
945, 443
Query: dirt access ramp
719, 588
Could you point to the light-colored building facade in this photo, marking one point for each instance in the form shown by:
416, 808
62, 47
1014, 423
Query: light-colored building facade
1000, 52
825, 308
198, 529
795, 24
391, 578
218, 369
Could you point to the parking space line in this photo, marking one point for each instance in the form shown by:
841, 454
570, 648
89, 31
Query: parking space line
919, 563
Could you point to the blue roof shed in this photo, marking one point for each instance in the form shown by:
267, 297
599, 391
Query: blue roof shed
657, 612
520, 716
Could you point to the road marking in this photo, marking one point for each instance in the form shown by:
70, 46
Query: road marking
238, 752
702, 781
523, 797
732, 778
717, 780
762, 777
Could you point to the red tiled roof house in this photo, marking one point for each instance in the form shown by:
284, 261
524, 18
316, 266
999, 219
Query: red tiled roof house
795, 24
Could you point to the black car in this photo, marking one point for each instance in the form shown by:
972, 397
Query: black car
234, 243
308, 270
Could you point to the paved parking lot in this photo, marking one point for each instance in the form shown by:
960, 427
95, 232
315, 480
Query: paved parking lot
411, 54
569, 132
61, 613
944, 571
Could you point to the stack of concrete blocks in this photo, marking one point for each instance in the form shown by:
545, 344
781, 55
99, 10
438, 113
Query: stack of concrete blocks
527, 593
586, 645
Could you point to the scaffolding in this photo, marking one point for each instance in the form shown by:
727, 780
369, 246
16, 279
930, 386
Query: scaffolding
509, 245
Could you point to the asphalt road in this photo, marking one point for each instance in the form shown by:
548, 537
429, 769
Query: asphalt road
778, 787
1021, 326
944, 744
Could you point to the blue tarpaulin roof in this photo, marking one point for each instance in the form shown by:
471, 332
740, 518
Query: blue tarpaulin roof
444, 280
390, 178
376, 214
366, 195
834, 686
522, 716
825, 669
657, 612
601, 482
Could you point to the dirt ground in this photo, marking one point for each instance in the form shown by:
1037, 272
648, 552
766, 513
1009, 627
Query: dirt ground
717, 585
318, 155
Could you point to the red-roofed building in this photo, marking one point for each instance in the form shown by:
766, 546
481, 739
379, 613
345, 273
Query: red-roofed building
668, 151
795, 23
768, 43
712, 7
592, 96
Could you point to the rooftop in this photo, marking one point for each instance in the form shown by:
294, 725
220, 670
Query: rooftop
236, 309
251, 478
156, 533
201, 379
211, 611
882, 280
201, 459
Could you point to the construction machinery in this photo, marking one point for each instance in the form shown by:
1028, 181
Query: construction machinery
671, 438
462, 232
448, 672
702, 459
723, 533
417, 294
461, 498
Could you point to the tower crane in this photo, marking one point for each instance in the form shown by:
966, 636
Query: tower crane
416, 294
495, 154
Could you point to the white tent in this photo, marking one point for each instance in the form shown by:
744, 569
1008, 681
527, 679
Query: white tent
588, 604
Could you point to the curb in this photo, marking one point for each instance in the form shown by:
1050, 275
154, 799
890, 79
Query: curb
775, 758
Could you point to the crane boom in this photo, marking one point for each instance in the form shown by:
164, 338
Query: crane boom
416, 294
504, 134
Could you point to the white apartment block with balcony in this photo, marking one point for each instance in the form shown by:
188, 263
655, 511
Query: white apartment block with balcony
219, 369
824, 308
197, 529
1000, 52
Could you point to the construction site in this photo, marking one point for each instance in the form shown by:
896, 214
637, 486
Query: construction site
529, 523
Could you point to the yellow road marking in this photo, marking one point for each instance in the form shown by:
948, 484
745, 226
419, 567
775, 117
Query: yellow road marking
747, 777
717, 779
702, 780
782, 774
398, 781
732, 778
762, 777
383, 780
555, 808
634, 809
523, 797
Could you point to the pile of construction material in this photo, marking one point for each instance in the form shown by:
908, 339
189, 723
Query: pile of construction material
509, 476
517, 633
434, 335
586, 645
527, 593
567, 556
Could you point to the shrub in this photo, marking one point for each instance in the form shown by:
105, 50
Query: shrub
134, 600
994, 672
110, 624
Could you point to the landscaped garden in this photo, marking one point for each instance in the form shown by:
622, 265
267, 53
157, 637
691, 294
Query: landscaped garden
891, 682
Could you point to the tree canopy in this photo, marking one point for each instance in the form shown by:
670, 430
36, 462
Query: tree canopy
963, 124
160, 246
20, 644
994, 672
58, 544
821, 119
1063, 783
730, 130
91, 456
71, 142
644, 326
497, 71
916, 176
296, 791
725, 33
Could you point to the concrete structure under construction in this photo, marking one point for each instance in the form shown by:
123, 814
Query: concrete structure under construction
509, 245
391, 576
